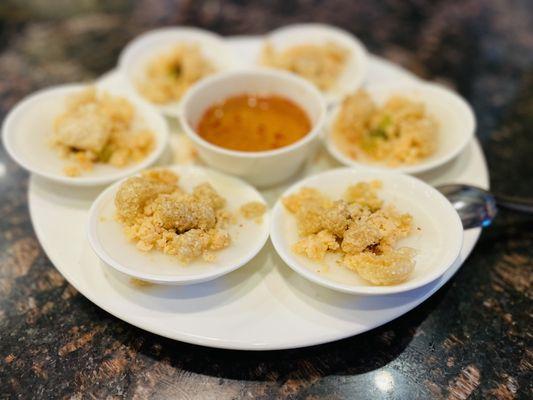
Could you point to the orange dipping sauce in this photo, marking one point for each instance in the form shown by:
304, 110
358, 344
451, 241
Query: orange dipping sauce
254, 123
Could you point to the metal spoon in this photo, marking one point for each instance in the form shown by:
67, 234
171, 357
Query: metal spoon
477, 207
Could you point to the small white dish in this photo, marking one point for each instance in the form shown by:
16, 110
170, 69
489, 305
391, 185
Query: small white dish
135, 56
111, 245
355, 70
437, 243
261, 168
28, 127
454, 115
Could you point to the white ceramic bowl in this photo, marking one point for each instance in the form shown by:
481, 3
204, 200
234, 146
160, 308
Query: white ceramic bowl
263, 168
438, 243
135, 56
109, 242
28, 127
356, 66
455, 117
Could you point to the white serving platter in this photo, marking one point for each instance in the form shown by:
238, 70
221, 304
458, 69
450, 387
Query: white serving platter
263, 305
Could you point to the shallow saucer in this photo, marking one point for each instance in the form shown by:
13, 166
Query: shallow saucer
142, 49
28, 127
354, 72
437, 243
111, 245
454, 115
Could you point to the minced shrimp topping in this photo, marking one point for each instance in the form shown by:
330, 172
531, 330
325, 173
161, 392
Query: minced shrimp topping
168, 75
398, 133
253, 210
359, 227
158, 214
320, 64
98, 128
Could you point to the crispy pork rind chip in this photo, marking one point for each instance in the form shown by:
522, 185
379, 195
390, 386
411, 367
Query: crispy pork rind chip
134, 194
389, 268
360, 227
315, 246
182, 212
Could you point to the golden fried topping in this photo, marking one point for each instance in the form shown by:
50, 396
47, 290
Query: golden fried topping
320, 64
170, 74
98, 128
253, 210
158, 214
360, 227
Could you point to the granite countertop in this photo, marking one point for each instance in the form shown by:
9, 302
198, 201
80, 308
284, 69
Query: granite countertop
470, 340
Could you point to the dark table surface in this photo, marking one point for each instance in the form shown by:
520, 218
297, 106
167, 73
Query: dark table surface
471, 339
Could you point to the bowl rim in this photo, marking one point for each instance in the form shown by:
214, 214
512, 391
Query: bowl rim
21, 107
370, 290
95, 242
267, 73
469, 119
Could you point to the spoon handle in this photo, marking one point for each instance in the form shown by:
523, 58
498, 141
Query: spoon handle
514, 203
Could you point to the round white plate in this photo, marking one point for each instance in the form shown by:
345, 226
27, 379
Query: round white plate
436, 244
263, 305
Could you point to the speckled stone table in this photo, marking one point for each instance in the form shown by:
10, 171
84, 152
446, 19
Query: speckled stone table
471, 340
